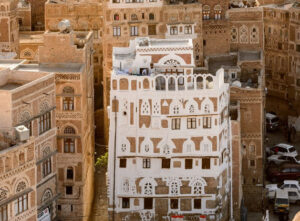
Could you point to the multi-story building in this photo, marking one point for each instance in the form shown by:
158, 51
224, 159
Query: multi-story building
73, 71
169, 134
64, 161
28, 143
9, 32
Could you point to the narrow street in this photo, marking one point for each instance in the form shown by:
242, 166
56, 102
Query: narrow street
272, 139
99, 210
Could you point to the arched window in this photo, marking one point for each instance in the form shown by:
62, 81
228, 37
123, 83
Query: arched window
156, 108
206, 12
243, 34
199, 82
197, 185
134, 17
47, 195
151, 16
69, 130
180, 82
197, 188
21, 204
174, 188
145, 108
171, 84
234, 35
160, 83
209, 82
69, 142
254, 37
70, 173
218, 11
116, 17
68, 99
148, 188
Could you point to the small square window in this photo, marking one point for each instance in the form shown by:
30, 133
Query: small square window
205, 163
148, 203
69, 190
188, 163
252, 163
59, 207
122, 163
176, 124
191, 123
165, 163
174, 204
197, 203
147, 163
125, 203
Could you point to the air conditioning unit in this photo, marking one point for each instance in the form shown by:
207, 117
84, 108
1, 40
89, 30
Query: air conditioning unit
22, 133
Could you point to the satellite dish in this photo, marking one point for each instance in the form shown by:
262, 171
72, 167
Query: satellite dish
64, 26
237, 84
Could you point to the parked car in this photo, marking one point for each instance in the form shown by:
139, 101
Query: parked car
281, 203
282, 149
283, 172
280, 159
291, 184
272, 122
287, 184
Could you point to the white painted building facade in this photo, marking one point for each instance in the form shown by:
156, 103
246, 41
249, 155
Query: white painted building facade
169, 149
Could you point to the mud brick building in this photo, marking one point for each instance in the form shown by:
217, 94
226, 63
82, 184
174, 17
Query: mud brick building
28, 163
170, 128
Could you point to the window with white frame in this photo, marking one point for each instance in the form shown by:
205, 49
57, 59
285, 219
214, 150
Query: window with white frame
188, 29
174, 188
197, 188
206, 122
173, 30
218, 11
21, 204
206, 12
176, 124
134, 30
191, 123
147, 163
145, 108
116, 31
148, 188
175, 109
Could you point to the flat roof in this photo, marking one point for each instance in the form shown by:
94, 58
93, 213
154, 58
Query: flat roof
249, 55
10, 86
31, 37
215, 63
72, 67
11, 64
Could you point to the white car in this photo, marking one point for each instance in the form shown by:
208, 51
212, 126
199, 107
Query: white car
287, 184
279, 159
282, 149
291, 184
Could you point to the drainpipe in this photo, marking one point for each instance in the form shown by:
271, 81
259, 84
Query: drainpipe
231, 194
114, 175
